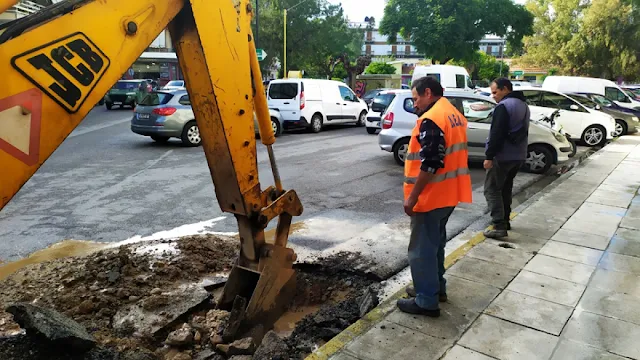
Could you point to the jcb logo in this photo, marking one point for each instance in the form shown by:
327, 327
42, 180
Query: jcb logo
67, 69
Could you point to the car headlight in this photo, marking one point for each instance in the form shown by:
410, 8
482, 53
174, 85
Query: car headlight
635, 118
559, 137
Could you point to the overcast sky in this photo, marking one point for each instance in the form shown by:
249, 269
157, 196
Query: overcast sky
356, 10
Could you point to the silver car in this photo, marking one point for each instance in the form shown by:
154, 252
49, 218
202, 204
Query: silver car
166, 114
546, 146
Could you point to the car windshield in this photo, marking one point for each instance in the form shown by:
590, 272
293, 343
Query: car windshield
603, 101
381, 102
175, 83
371, 94
156, 98
127, 85
584, 101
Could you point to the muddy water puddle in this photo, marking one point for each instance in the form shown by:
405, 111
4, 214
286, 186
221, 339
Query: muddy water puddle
63, 249
287, 323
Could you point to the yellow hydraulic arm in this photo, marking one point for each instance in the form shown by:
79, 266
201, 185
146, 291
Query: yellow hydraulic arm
56, 64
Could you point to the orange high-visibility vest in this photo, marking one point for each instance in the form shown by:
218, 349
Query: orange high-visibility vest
452, 184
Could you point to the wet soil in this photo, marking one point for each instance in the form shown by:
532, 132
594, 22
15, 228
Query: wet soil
92, 289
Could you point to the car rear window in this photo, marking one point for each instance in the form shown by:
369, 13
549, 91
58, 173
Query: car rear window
126, 85
283, 91
156, 98
381, 102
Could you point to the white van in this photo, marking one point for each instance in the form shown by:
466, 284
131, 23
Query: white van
451, 77
311, 103
587, 85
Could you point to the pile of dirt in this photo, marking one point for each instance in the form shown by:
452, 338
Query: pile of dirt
92, 289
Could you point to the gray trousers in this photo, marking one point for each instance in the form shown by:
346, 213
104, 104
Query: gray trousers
498, 190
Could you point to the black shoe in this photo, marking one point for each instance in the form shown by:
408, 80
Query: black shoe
411, 291
495, 234
409, 306
508, 226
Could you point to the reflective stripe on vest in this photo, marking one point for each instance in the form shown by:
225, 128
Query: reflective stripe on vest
440, 177
450, 150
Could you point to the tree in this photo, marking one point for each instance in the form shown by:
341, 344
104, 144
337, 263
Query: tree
354, 68
484, 67
600, 38
380, 68
318, 20
452, 29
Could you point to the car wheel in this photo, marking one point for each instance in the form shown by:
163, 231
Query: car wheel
621, 128
539, 159
275, 125
191, 134
371, 130
109, 106
361, 119
160, 139
316, 123
594, 135
400, 150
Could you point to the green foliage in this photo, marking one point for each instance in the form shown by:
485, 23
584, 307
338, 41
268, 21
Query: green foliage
483, 67
317, 36
452, 29
599, 38
380, 68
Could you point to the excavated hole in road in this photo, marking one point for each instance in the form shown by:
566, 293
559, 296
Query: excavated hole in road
95, 289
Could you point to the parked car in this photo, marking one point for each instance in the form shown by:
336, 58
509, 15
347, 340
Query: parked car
451, 77
592, 127
625, 123
126, 93
312, 103
377, 108
166, 114
604, 101
574, 84
546, 145
276, 122
371, 94
174, 85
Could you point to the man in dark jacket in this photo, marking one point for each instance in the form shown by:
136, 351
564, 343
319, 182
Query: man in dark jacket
506, 151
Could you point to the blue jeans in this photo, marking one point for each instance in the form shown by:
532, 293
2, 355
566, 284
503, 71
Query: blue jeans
426, 255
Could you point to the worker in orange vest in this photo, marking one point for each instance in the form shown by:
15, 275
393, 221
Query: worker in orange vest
436, 179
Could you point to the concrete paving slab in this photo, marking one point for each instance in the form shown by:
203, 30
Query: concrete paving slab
508, 341
489, 251
615, 281
568, 349
612, 198
530, 311
630, 222
453, 321
391, 341
535, 225
460, 353
560, 269
627, 189
520, 241
547, 288
612, 304
618, 337
622, 263
625, 247
471, 295
593, 241
572, 252
483, 271
343, 356
595, 219
628, 234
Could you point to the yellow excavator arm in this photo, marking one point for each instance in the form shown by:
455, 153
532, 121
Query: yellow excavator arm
59, 62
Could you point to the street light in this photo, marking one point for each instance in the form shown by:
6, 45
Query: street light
285, 36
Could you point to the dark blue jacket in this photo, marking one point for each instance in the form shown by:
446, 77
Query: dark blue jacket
509, 135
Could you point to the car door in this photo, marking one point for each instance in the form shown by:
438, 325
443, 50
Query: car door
350, 108
283, 96
477, 112
331, 102
573, 121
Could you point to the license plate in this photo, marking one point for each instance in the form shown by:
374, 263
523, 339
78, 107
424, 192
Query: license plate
143, 116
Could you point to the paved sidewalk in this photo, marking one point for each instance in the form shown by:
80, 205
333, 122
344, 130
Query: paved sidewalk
564, 285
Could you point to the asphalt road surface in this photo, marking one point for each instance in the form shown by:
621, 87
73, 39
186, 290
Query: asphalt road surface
105, 183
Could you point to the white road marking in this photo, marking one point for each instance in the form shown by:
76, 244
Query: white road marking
93, 128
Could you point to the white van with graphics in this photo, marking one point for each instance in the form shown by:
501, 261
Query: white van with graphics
451, 77
587, 85
311, 103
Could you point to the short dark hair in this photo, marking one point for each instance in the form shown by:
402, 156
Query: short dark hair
428, 82
503, 82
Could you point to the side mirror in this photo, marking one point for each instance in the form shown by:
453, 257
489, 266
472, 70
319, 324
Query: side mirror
574, 107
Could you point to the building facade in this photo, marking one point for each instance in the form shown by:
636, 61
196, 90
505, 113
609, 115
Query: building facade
376, 44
